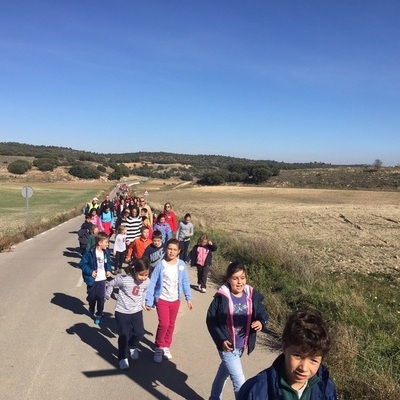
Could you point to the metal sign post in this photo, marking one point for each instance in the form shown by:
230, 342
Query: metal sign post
27, 192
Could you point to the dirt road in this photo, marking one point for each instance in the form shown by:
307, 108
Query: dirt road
51, 348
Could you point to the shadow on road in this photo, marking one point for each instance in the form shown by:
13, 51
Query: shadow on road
144, 372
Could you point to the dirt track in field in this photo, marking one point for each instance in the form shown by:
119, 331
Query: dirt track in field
334, 229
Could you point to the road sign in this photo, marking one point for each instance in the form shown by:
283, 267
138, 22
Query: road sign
27, 192
146, 193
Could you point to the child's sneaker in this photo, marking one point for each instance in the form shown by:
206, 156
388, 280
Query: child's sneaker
203, 290
123, 364
167, 354
134, 354
158, 355
98, 319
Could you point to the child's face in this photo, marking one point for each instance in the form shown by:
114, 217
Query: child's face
96, 230
145, 234
298, 367
157, 242
142, 275
103, 244
187, 219
161, 220
172, 252
237, 282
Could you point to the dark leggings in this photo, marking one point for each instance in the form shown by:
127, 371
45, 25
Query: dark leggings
119, 259
202, 275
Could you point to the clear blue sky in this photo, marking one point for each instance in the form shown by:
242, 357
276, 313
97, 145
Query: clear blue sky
292, 81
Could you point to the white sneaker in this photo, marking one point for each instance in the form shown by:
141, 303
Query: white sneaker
167, 354
203, 290
134, 354
123, 364
158, 355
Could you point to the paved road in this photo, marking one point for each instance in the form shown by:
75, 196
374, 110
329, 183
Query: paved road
51, 349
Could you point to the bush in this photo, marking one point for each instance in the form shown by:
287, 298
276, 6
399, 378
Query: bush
84, 171
45, 164
19, 167
211, 180
101, 168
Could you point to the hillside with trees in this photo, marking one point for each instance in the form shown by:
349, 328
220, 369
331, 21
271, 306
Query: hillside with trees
21, 159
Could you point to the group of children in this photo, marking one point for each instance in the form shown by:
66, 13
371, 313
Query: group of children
159, 278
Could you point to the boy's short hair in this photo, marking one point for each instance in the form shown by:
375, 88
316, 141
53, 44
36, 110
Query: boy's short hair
144, 228
307, 330
157, 235
100, 236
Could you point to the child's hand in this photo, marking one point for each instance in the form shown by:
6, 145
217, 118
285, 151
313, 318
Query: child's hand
108, 274
94, 274
147, 308
227, 346
190, 305
256, 325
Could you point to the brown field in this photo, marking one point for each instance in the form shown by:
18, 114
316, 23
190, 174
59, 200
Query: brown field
341, 230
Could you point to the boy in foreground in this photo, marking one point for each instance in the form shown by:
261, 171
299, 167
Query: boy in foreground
298, 372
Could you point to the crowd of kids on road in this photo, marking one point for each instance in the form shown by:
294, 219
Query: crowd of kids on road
149, 262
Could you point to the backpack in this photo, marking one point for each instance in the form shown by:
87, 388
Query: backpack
83, 236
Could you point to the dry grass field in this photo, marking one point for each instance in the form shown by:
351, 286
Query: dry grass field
340, 230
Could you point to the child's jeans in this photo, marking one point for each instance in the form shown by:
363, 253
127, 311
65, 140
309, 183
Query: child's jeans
231, 366
167, 312
96, 294
130, 330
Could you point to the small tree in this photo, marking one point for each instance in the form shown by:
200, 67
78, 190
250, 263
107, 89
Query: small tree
377, 163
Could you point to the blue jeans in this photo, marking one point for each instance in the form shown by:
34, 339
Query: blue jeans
230, 366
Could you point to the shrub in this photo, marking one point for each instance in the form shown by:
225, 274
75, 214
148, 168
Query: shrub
84, 171
101, 168
45, 164
211, 179
19, 167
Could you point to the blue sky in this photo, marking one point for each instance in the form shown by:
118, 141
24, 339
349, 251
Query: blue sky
292, 81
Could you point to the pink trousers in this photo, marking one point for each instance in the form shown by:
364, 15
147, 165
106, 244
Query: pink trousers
167, 312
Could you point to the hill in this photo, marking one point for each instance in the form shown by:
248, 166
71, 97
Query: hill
204, 169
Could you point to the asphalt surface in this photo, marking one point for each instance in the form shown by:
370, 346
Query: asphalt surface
51, 348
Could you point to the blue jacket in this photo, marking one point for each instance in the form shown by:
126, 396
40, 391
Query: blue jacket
156, 283
88, 264
219, 316
267, 386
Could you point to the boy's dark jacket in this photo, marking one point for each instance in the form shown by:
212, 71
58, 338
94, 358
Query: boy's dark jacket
193, 254
217, 319
266, 384
88, 264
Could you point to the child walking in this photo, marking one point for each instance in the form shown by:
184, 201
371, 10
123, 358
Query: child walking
96, 268
185, 232
298, 372
119, 249
201, 258
234, 317
169, 280
155, 252
129, 309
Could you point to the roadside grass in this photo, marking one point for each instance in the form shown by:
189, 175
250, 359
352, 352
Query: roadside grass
363, 312
50, 205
